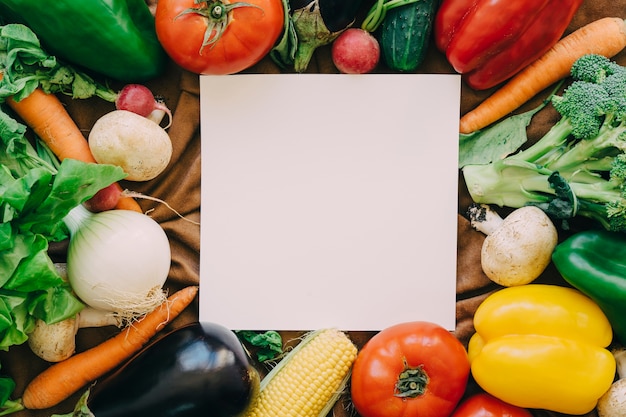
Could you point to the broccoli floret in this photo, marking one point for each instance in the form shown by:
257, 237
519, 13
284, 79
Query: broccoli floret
593, 68
585, 104
617, 171
578, 168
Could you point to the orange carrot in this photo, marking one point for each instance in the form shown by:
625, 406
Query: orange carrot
606, 36
49, 119
63, 379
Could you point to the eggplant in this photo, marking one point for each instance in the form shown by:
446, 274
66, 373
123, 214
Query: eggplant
200, 369
317, 23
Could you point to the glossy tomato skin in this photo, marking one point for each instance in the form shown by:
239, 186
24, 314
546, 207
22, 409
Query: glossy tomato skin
252, 30
486, 405
415, 345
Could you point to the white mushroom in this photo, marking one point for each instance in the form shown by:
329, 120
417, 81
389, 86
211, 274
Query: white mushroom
56, 342
518, 248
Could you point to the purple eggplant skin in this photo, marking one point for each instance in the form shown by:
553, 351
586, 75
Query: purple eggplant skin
200, 369
337, 15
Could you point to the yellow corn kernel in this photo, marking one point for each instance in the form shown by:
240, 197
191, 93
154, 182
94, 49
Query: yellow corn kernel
309, 379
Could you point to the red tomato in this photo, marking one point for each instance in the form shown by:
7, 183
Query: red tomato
408, 370
485, 405
241, 33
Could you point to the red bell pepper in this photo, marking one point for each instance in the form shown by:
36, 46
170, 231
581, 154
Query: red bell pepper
489, 41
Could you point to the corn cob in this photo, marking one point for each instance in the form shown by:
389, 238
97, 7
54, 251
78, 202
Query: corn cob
308, 381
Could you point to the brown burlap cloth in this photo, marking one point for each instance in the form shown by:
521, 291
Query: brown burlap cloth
179, 186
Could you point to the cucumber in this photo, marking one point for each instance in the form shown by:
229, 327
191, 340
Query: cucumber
404, 34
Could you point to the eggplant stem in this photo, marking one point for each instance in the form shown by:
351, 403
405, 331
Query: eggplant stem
378, 11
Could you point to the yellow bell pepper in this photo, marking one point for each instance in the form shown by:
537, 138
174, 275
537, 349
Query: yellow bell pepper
542, 346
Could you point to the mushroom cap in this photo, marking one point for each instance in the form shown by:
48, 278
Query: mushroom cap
520, 249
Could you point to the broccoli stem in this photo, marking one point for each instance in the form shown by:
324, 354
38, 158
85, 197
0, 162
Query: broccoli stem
549, 146
578, 167
588, 148
508, 182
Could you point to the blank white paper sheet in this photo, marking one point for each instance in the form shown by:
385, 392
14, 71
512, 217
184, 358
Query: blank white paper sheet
328, 200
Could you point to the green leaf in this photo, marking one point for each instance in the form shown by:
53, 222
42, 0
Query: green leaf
495, 142
7, 385
56, 304
80, 410
74, 183
268, 345
26, 66
37, 272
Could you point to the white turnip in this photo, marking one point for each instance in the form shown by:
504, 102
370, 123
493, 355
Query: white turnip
138, 145
355, 51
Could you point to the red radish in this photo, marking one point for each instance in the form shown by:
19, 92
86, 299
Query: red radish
139, 99
105, 199
355, 51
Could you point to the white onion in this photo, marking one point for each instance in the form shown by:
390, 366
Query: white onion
117, 260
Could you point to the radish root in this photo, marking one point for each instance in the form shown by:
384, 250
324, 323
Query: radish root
134, 194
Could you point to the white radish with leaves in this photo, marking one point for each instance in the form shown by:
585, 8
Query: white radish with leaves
138, 145
117, 260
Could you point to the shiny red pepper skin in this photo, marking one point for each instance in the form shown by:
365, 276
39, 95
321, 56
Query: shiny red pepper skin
489, 41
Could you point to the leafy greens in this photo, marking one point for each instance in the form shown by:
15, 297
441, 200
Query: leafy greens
36, 193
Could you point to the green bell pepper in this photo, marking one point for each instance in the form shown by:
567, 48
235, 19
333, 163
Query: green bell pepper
114, 38
594, 262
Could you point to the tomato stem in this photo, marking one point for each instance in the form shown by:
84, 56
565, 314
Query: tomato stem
411, 381
217, 16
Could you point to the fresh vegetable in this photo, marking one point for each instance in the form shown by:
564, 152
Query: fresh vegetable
137, 144
197, 369
518, 248
355, 51
317, 23
309, 379
139, 99
105, 199
486, 405
25, 65
122, 43
500, 139
488, 41
578, 168
35, 195
117, 260
405, 29
59, 381
49, 119
613, 402
542, 346
55, 342
218, 37
410, 369
268, 345
605, 37
593, 262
